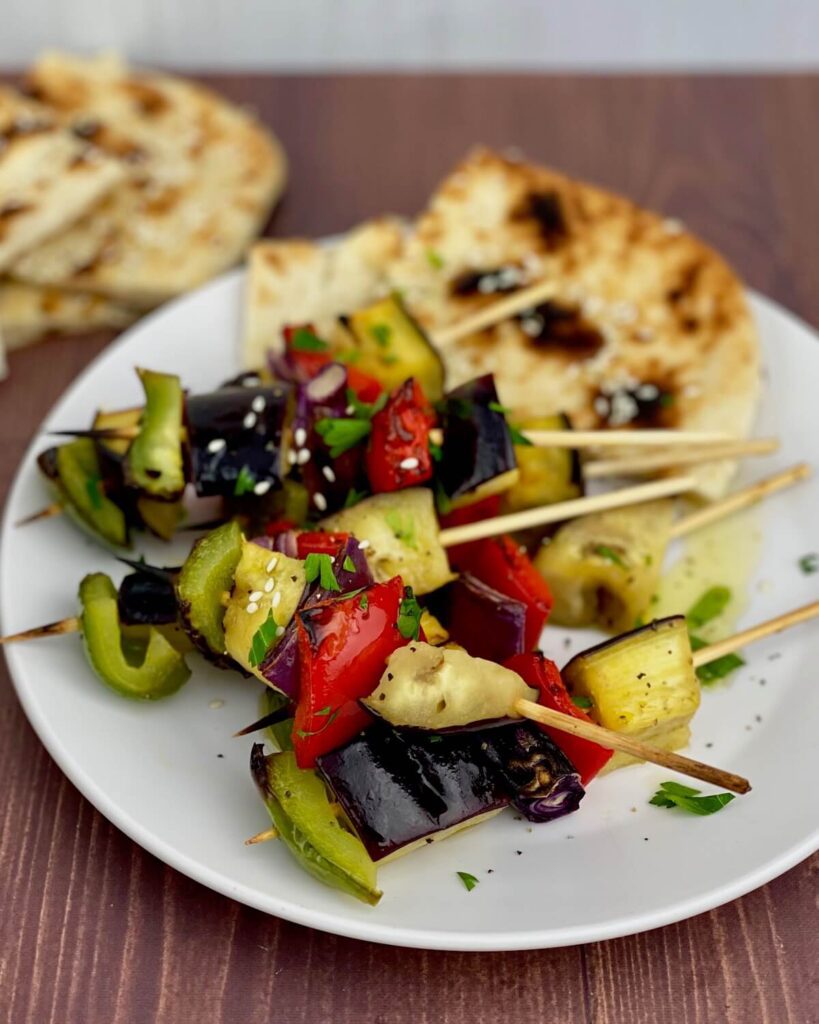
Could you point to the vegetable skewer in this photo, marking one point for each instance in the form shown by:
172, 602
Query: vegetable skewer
637, 464
730, 644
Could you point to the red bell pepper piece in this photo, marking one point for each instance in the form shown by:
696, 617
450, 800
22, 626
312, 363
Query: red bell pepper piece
543, 675
343, 647
487, 508
320, 542
367, 388
398, 453
279, 526
500, 563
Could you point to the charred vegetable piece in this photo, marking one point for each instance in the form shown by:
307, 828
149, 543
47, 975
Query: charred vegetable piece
537, 671
204, 582
147, 599
478, 457
391, 346
401, 531
427, 687
543, 782
275, 704
398, 453
140, 671
400, 790
484, 622
82, 490
320, 542
547, 475
344, 645
642, 683
154, 461
308, 825
161, 517
305, 355
486, 509
503, 565
116, 420
235, 437
605, 567
267, 588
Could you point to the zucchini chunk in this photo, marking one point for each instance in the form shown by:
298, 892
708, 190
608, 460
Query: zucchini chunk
401, 530
78, 479
642, 683
547, 475
605, 568
391, 346
154, 460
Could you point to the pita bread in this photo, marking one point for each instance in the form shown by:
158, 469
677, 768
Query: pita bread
648, 326
295, 281
48, 177
202, 177
28, 313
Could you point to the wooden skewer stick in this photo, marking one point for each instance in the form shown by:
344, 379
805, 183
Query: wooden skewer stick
52, 629
628, 745
55, 509
733, 643
661, 460
626, 438
497, 312
740, 499
262, 837
564, 510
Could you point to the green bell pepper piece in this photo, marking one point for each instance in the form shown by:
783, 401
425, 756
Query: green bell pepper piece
205, 578
303, 815
154, 461
79, 481
142, 672
280, 733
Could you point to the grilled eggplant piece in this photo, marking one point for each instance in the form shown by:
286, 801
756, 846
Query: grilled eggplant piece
147, 599
543, 782
547, 475
401, 789
308, 825
391, 346
235, 437
154, 462
605, 568
76, 475
401, 529
478, 457
486, 623
642, 683
425, 687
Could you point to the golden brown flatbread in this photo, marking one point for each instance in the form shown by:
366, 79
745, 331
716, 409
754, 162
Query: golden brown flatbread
28, 313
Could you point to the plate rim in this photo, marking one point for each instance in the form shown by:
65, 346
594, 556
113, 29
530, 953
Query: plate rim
331, 921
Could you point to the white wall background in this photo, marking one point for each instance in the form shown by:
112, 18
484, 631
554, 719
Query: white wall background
503, 34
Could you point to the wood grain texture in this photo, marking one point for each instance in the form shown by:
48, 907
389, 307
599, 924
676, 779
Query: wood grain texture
93, 929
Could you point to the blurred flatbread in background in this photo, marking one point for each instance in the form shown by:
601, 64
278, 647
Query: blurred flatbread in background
296, 281
48, 177
28, 313
648, 325
202, 176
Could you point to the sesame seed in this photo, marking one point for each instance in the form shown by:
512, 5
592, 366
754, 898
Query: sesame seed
271, 565
249, 422
300, 437
255, 596
532, 326
363, 545
410, 463
350, 410
253, 380
251, 608
275, 601
258, 404
303, 457
262, 487
488, 284
269, 585
328, 474
218, 444
320, 501
279, 630
291, 457
215, 704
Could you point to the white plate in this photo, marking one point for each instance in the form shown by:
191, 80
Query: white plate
616, 867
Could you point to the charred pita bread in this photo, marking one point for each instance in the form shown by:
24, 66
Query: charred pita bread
648, 326
29, 313
296, 281
202, 177
48, 177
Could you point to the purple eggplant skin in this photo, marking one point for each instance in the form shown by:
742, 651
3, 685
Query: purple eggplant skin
399, 787
486, 623
281, 666
541, 780
285, 542
235, 437
147, 599
477, 443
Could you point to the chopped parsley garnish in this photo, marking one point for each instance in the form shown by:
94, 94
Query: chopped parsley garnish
348, 356
348, 565
342, 434
666, 400
305, 341
470, 881
409, 616
604, 551
672, 794
303, 734
719, 668
809, 563
93, 486
402, 526
262, 640
436, 451
521, 440
245, 482
381, 333
497, 407
353, 497
710, 606
582, 702
366, 410
649, 560
364, 603
435, 259
320, 567
443, 501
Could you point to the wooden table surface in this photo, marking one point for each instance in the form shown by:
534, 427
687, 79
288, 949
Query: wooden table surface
95, 931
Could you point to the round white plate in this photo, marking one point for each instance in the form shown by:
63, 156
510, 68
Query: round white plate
617, 866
